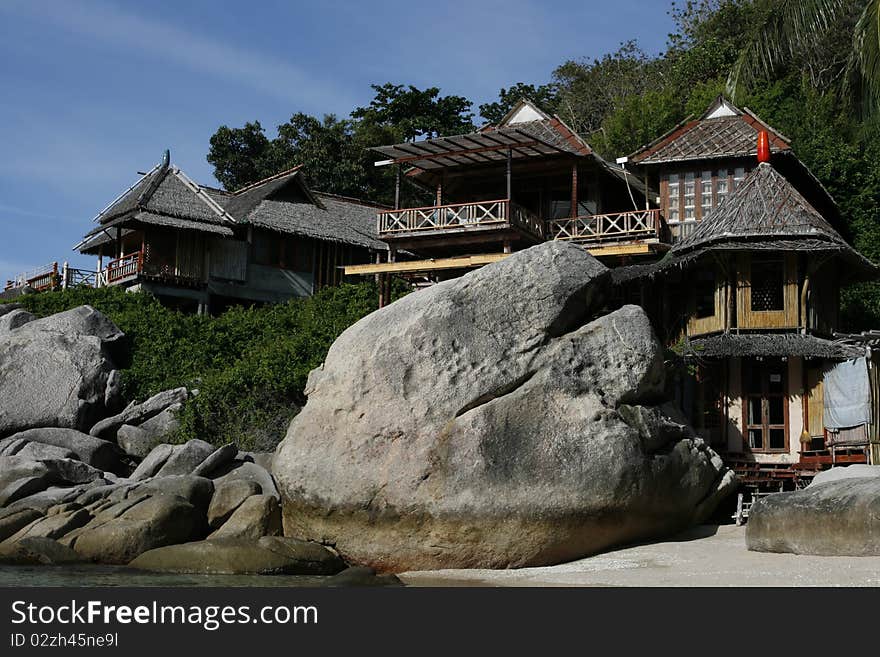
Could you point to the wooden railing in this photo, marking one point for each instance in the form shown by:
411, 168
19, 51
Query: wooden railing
124, 267
457, 215
39, 279
638, 224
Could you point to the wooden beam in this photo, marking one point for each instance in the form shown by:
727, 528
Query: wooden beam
415, 266
641, 248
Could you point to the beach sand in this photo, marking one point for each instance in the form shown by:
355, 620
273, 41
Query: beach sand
708, 555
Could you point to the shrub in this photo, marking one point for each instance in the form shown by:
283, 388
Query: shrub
250, 365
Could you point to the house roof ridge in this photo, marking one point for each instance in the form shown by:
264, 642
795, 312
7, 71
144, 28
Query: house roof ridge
202, 195
267, 180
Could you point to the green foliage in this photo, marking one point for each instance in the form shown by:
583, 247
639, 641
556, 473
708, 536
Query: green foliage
250, 365
333, 151
638, 120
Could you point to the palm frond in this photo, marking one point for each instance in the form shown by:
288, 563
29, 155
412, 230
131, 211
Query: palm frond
866, 55
791, 27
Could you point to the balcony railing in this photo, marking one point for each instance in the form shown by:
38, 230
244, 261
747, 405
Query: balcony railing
122, 268
458, 216
617, 226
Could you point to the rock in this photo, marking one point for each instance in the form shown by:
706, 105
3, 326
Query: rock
10, 446
6, 308
95, 452
140, 440
185, 458
198, 491
246, 471
37, 551
262, 459
51, 380
88, 322
52, 496
138, 413
10, 523
258, 515
39, 451
362, 576
53, 525
854, 471
268, 556
481, 423
228, 496
220, 457
835, 518
153, 462
15, 319
128, 528
21, 477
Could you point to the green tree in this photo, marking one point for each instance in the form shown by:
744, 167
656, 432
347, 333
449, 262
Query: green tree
241, 155
809, 34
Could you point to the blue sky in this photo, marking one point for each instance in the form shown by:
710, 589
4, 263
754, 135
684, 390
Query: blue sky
93, 91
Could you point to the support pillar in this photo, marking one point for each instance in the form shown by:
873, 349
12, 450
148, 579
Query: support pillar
509, 171
397, 187
574, 190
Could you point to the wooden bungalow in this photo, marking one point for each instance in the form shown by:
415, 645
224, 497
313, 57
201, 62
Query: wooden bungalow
750, 299
203, 249
507, 187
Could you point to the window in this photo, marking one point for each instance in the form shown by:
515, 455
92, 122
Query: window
674, 209
690, 196
768, 283
765, 408
704, 291
706, 193
721, 186
738, 174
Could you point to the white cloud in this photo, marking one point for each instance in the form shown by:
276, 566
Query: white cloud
188, 49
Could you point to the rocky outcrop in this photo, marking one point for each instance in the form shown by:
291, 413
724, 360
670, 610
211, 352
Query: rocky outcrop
59, 371
488, 422
138, 414
834, 518
228, 496
95, 452
257, 516
230, 556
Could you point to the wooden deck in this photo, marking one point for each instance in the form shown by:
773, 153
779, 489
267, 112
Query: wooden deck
457, 218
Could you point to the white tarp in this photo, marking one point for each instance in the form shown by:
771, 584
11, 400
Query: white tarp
847, 395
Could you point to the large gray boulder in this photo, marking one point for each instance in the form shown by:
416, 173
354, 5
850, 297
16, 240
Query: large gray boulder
136, 414
59, 371
835, 518
21, 477
854, 471
228, 496
487, 422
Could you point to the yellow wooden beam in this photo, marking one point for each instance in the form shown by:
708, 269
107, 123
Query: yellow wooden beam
620, 250
417, 266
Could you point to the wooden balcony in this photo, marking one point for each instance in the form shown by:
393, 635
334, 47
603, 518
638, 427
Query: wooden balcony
458, 218
615, 227
123, 269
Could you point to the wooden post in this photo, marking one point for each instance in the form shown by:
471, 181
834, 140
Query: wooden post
119, 253
100, 266
574, 190
648, 195
439, 192
397, 187
509, 167
65, 272
507, 246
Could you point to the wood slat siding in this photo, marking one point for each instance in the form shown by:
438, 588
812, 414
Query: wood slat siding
716, 322
749, 319
815, 402
229, 259
190, 256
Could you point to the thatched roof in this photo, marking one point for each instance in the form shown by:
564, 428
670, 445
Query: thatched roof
723, 130
770, 345
765, 212
165, 196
